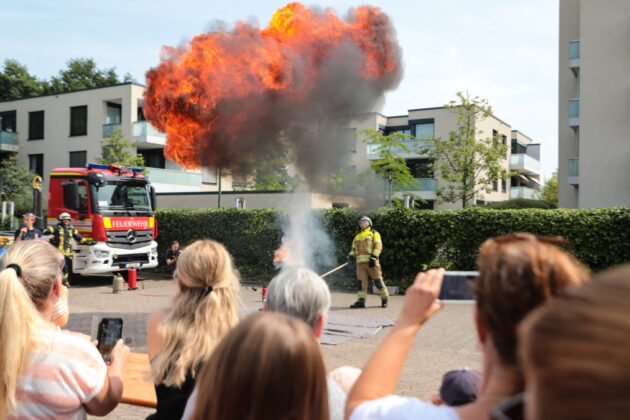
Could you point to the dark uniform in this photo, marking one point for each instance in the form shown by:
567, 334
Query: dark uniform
29, 234
62, 239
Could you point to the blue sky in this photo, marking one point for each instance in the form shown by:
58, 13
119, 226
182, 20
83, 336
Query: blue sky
503, 50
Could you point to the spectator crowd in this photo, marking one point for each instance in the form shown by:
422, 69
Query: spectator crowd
553, 338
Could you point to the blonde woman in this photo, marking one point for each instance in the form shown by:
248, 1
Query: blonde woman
181, 338
46, 372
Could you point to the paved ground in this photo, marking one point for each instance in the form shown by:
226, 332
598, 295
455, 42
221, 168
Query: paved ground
444, 343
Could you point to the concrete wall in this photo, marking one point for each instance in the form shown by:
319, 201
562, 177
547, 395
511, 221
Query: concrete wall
253, 200
604, 149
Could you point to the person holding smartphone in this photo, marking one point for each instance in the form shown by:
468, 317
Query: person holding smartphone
171, 256
517, 273
47, 372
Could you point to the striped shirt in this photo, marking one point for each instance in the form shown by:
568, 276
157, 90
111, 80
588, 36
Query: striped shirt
57, 382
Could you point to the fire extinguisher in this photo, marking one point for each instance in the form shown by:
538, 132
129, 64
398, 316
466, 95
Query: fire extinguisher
264, 294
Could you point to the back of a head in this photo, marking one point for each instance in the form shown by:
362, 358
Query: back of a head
38, 266
575, 352
269, 367
517, 273
460, 386
204, 311
299, 292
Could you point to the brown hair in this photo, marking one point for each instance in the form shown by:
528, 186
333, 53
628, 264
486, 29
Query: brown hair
200, 315
575, 351
267, 368
517, 273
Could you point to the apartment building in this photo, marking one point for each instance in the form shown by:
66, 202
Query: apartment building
66, 129
523, 156
594, 104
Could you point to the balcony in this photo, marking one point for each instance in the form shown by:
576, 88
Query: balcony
574, 112
523, 192
8, 141
574, 55
373, 152
427, 188
574, 171
524, 163
147, 136
110, 129
174, 177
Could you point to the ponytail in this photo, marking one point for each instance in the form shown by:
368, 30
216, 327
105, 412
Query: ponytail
21, 325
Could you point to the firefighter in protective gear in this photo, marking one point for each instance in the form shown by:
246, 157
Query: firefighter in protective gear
62, 234
366, 248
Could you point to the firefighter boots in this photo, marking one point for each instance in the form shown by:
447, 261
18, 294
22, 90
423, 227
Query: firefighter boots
383, 303
358, 304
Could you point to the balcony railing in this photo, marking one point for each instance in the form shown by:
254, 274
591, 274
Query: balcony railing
373, 149
574, 50
525, 163
143, 132
523, 192
173, 177
109, 129
574, 171
8, 141
424, 184
574, 112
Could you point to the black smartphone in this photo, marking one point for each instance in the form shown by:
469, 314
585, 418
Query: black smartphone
109, 332
458, 285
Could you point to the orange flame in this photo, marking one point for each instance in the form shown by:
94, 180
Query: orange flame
229, 93
282, 254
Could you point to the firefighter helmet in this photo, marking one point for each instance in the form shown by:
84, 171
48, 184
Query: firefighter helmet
367, 219
64, 215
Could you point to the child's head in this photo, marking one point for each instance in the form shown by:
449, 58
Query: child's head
459, 387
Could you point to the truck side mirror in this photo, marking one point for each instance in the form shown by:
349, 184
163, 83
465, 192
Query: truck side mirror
71, 195
152, 198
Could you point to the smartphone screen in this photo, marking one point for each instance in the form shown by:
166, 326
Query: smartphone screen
109, 332
458, 285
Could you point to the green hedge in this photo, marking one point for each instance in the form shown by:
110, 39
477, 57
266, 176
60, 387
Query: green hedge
413, 240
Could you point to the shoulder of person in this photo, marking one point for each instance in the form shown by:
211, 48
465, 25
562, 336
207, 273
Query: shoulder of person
402, 408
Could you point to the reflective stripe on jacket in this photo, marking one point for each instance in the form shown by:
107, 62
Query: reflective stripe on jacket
366, 243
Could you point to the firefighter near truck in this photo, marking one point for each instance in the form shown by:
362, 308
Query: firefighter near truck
112, 208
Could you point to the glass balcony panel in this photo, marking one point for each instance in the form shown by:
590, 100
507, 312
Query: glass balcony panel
574, 50
523, 192
108, 129
170, 176
574, 108
424, 184
8, 141
574, 167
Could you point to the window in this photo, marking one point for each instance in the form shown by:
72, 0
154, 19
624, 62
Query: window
421, 168
153, 158
114, 112
495, 136
36, 125
78, 120
78, 159
503, 185
495, 185
426, 130
83, 197
239, 181
209, 175
36, 164
8, 121
141, 114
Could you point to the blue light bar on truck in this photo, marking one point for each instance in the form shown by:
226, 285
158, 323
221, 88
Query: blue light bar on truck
116, 167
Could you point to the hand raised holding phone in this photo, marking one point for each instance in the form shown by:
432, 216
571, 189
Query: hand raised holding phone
421, 299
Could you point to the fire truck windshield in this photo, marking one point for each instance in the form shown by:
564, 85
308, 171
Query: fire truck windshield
122, 195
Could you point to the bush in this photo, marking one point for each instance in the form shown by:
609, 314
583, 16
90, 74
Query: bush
413, 239
520, 203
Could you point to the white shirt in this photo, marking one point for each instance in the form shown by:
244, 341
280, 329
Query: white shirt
402, 408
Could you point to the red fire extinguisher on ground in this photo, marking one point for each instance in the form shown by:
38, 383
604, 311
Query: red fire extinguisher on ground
264, 294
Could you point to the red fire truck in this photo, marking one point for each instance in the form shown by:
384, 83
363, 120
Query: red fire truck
112, 205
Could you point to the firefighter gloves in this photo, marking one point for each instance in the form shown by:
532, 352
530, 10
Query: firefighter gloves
373, 260
351, 259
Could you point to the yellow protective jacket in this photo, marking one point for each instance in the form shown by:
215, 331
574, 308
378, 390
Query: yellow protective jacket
366, 243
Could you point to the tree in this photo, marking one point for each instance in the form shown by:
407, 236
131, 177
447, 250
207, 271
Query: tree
270, 173
390, 163
15, 183
468, 163
82, 73
115, 150
549, 191
16, 82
